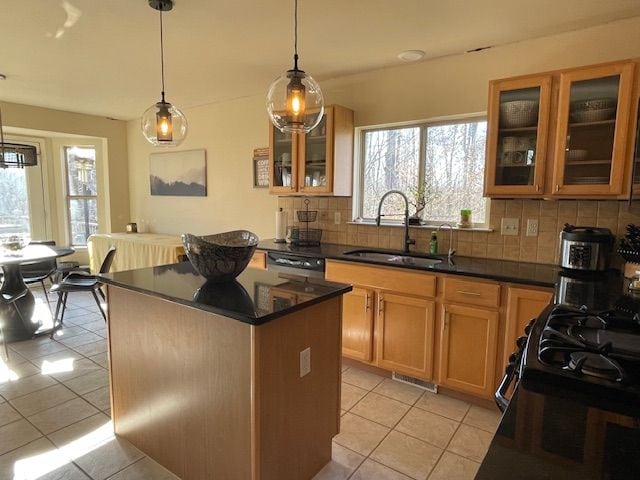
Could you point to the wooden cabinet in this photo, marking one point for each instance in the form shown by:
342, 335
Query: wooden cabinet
468, 345
594, 108
523, 304
357, 324
317, 163
517, 131
405, 334
561, 134
390, 305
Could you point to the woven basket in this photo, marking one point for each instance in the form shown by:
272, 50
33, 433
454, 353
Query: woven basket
518, 114
599, 115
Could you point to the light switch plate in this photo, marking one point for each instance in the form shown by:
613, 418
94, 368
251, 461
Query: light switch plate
305, 362
509, 226
336, 218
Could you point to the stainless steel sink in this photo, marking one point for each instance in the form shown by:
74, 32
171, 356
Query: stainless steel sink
412, 259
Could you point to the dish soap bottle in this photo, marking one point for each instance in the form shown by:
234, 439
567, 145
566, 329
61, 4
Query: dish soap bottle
433, 244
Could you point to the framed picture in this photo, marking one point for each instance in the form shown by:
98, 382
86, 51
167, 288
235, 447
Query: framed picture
261, 167
180, 174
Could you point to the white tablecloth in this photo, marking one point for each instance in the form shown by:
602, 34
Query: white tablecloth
134, 250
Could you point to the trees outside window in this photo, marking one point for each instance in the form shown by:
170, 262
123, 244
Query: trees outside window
82, 193
444, 162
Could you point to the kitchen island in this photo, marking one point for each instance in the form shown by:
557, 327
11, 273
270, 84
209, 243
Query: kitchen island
239, 380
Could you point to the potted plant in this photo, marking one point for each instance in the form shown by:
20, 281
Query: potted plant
418, 199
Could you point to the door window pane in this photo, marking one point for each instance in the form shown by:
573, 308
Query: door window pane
83, 218
81, 171
14, 207
82, 190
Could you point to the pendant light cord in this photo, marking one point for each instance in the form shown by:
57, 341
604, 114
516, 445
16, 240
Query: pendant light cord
295, 34
162, 55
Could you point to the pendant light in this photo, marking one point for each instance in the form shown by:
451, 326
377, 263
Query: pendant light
163, 124
15, 155
294, 102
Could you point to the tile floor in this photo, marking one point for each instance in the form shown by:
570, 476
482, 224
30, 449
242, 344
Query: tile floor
55, 424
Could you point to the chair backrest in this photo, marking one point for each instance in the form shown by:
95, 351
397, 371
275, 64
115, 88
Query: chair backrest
40, 269
108, 260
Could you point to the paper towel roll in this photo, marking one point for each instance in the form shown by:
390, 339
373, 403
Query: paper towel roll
281, 226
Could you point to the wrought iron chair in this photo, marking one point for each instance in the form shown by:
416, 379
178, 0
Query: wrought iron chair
40, 271
78, 282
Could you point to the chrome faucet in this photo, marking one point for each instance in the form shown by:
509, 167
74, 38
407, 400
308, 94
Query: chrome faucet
407, 241
451, 251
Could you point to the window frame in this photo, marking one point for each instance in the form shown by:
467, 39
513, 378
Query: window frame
69, 196
358, 164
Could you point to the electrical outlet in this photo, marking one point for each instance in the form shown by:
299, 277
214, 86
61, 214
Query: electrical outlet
305, 361
532, 227
336, 218
509, 226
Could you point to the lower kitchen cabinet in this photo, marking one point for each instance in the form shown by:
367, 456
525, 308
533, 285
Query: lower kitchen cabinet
405, 334
357, 324
523, 304
468, 345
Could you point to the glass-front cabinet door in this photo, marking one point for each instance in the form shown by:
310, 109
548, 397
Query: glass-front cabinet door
518, 121
316, 149
283, 161
592, 128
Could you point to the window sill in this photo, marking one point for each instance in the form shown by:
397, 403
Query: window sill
475, 228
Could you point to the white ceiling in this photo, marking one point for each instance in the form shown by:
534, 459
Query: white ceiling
102, 57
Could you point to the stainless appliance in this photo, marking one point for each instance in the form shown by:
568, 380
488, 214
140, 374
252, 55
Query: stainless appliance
295, 264
585, 248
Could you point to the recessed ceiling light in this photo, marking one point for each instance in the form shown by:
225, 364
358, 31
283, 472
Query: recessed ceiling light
411, 55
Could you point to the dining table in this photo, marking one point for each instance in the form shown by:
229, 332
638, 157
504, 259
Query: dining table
24, 326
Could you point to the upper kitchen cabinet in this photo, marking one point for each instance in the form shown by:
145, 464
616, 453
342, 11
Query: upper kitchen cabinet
518, 122
563, 134
594, 107
317, 163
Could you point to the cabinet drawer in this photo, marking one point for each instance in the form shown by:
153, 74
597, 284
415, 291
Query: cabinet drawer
475, 292
259, 260
382, 278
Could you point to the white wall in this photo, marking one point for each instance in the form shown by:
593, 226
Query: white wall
447, 86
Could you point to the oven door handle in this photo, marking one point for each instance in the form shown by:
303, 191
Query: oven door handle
500, 396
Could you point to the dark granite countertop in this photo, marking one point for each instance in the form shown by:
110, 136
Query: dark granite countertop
499, 270
255, 297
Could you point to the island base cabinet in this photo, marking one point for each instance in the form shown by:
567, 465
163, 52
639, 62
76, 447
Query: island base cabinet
210, 397
468, 343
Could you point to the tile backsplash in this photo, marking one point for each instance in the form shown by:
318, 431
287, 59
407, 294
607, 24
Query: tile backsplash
543, 248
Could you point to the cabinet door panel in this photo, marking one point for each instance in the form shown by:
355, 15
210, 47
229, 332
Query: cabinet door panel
357, 324
522, 305
468, 349
405, 334
593, 121
283, 161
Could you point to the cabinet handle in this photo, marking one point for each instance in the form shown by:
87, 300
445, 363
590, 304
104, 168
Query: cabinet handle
467, 292
557, 187
367, 305
380, 304
537, 188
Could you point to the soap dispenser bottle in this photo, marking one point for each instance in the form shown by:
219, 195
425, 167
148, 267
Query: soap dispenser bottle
433, 244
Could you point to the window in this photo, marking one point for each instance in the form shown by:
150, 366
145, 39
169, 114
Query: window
445, 160
14, 207
82, 191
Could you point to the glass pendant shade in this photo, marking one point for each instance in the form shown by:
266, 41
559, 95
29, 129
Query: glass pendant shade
295, 103
164, 125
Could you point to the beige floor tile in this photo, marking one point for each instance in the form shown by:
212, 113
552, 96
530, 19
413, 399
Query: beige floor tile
399, 391
359, 434
23, 386
380, 409
38, 460
101, 359
93, 348
8, 414
407, 455
62, 415
84, 339
63, 357
145, 469
43, 399
69, 331
35, 350
470, 442
99, 398
350, 395
361, 379
64, 370
483, 418
443, 405
371, 470
17, 434
454, 467
428, 426
91, 444
89, 382
343, 463
15, 370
